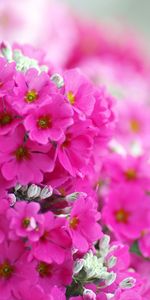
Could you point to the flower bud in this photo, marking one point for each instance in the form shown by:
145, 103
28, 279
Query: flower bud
79, 263
104, 245
111, 261
127, 283
89, 295
46, 192
17, 187
12, 199
6, 51
111, 277
58, 80
24, 188
109, 296
33, 191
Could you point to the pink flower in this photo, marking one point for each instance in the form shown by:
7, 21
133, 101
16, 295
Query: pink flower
102, 113
4, 185
30, 292
31, 51
121, 252
103, 119
127, 169
50, 274
127, 295
91, 296
75, 150
57, 293
13, 268
126, 211
32, 90
57, 177
27, 291
25, 221
50, 121
133, 124
82, 225
9, 118
7, 72
23, 160
55, 244
79, 91
3, 221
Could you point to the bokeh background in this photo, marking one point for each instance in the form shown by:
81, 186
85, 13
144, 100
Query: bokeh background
135, 13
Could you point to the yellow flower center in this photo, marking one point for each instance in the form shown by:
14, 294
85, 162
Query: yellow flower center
71, 97
44, 122
135, 126
44, 269
74, 222
31, 96
130, 174
6, 270
122, 216
26, 222
5, 119
21, 153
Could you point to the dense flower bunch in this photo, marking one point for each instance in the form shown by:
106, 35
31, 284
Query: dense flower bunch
74, 163
54, 128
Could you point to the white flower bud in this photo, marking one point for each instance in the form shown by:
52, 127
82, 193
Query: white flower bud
33, 191
58, 80
78, 266
46, 192
24, 188
74, 196
111, 277
104, 242
104, 245
111, 261
127, 283
94, 266
109, 296
12, 199
23, 63
6, 51
17, 187
89, 295
113, 248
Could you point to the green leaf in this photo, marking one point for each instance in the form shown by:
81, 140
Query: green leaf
75, 289
135, 248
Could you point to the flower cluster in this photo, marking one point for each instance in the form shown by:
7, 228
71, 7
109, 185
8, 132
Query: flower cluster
74, 164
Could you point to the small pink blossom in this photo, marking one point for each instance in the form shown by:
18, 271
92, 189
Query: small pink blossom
54, 245
7, 72
76, 148
25, 221
50, 274
83, 224
79, 92
24, 161
126, 211
9, 118
13, 269
50, 121
32, 89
